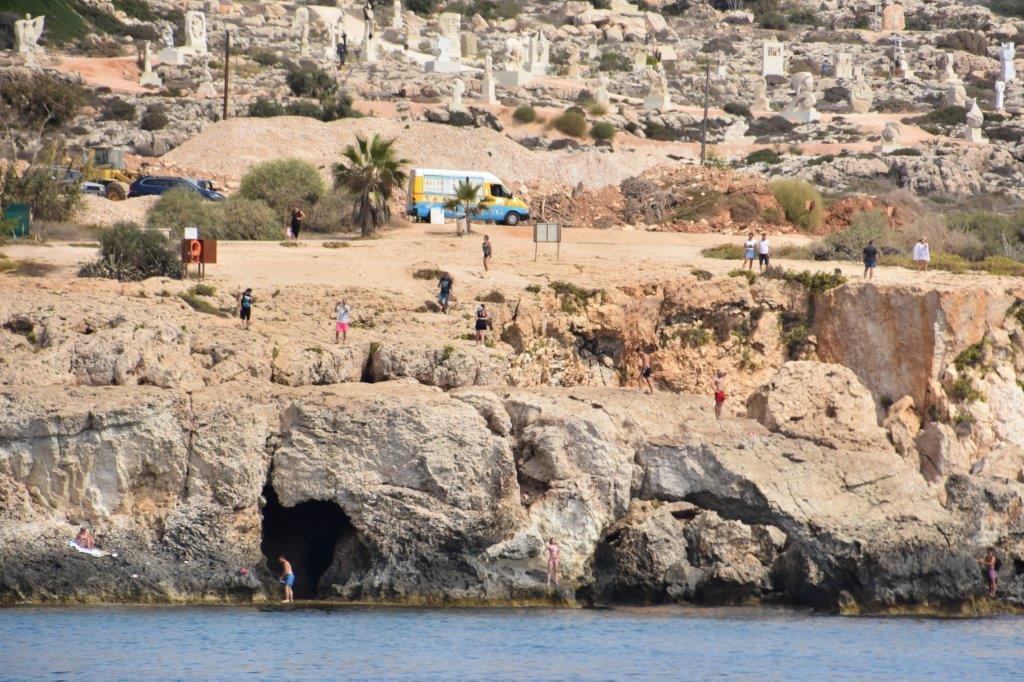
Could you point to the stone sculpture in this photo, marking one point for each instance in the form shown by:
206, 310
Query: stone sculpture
195, 32
946, 72
761, 102
801, 107
974, 117
1007, 71
27, 33
148, 76
890, 138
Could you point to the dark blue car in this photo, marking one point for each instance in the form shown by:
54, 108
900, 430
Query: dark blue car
153, 184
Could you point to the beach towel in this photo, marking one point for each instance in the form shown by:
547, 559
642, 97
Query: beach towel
90, 552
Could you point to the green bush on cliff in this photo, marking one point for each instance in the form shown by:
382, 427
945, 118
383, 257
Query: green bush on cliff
970, 356
728, 251
129, 254
801, 202
815, 282
282, 184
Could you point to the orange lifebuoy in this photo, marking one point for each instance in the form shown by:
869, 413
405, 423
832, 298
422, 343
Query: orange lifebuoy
195, 249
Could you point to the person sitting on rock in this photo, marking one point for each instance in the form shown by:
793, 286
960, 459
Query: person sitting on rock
84, 539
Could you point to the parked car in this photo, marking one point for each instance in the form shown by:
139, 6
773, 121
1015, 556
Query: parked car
94, 188
156, 185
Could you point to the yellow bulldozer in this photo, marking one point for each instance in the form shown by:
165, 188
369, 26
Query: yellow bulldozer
105, 165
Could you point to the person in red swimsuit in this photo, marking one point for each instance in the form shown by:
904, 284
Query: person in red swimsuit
719, 393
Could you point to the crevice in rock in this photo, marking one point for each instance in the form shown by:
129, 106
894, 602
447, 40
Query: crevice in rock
318, 539
366, 376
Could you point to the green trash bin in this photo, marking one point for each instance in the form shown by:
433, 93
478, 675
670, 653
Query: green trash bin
21, 214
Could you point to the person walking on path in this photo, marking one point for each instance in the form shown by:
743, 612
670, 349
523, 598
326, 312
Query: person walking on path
444, 295
287, 577
990, 566
645, 373
554, 552
342, 317
749, 249
297, 217
764, 253
482, 323
245, 302
870, 259
487, 252
922, 254
719, 387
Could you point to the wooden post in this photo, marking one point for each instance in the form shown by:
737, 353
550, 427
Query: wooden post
704, 123
227, 70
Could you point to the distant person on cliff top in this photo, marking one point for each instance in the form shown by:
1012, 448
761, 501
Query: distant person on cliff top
297, 217
990, 566
719, 386
287, 577
554, 552
482, 324
84, 539
444, 290
245, 302
645, 373
749, 249
870, 260
922, 254
487, 252
342, 317
764, 253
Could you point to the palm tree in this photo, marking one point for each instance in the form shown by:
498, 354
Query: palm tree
467, 197
371, 174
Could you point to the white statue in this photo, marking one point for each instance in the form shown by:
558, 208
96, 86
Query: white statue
206, 87
514, 53
1000, 89
148, 77
803, 92
573, 60
301, 19
1007, 71
27, 33
657, 97
974, 117
487, 91
458, 90
195, 32
601, 95
168, 36
861, 96
947, 74
396, 15
891, 133
761, 102
368, 22
955, 95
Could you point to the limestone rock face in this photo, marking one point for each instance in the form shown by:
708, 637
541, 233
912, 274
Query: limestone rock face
818, 401
902, 423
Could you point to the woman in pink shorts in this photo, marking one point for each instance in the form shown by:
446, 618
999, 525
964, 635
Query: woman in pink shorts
553, 551
342, 316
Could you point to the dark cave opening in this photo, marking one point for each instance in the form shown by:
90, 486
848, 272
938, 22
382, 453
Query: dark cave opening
311, 535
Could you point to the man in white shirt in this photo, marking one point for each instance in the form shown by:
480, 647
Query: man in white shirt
922, 254
764, 252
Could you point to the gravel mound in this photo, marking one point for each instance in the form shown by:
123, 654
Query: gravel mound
227, 149
100, 211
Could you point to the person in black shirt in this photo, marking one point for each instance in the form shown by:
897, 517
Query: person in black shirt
870, 260
297, 218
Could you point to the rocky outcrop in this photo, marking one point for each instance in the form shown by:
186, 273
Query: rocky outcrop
399, 492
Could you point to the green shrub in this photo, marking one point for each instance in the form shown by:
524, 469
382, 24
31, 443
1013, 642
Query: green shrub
962, 391
524, 113
120, 110
602, 130
695, 336
424, 8
130, 254
803, 16
945, 116
51, 197
613, 61
815, 282
265, 108
737, 109
203, 290
282, 184
768, 156
427, 273
491, 10
724, 252
242, 218
570, 123
330, 214
198, 304
1007, 8
181, 208
574, 298
596, 109
311, 81
773, 20
264, 56
751, 277
39, 100
336, 106
153, 120
702, 275
800, 201
970, 356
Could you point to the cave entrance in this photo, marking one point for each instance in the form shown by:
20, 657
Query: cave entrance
308, 534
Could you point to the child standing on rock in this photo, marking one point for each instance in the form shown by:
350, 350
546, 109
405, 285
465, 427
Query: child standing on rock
245, 302
342, 317
719, 386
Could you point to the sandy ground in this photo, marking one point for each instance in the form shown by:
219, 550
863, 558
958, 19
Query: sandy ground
120, 74
596, 258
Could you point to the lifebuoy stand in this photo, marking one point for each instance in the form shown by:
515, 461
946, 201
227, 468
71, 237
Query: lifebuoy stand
199, 252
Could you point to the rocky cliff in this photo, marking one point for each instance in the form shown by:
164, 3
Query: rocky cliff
195, 451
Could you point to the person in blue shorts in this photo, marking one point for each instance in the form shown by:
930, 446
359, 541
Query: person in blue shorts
287, 577
870, 260
444, 294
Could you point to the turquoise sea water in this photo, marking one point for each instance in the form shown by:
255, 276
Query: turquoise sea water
255, 643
